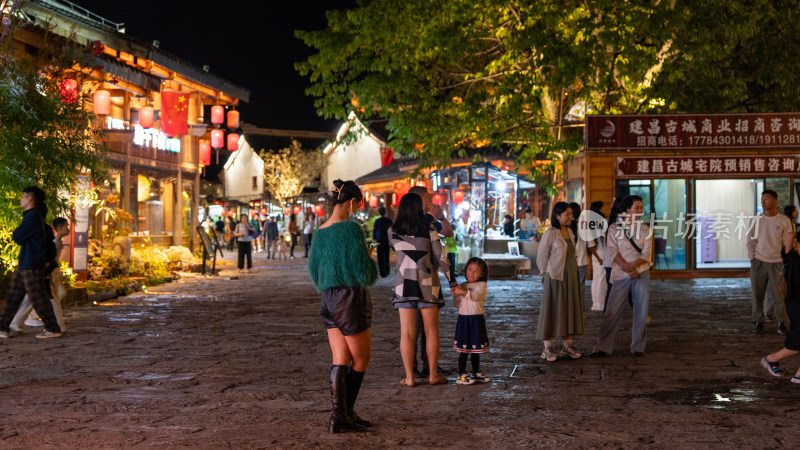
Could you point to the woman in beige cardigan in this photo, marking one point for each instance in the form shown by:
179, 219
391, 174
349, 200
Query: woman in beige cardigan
561, 313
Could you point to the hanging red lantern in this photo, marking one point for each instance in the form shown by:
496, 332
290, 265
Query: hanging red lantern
102, 103
217, 115
68, 89
297, 210
458, 196
395, 200
263, 211
373, 201
231, 213
146, 117
286, 210
233, 119
319, 211
217, 138
233, 142
205, 152
437, 199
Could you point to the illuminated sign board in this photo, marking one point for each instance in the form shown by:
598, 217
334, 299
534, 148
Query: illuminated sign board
152, 138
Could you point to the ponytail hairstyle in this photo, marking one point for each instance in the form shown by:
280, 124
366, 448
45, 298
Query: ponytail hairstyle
344, 191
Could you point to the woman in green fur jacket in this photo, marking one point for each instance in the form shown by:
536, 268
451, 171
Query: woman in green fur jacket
341, 268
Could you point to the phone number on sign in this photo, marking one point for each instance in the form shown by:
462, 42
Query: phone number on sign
780, 139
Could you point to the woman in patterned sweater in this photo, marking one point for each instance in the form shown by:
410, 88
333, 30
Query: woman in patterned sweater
341, 269
419, 258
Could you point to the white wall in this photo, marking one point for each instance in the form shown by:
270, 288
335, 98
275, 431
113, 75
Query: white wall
242, 166
348, 162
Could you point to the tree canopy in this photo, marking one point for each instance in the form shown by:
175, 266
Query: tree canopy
288, 170
455, 75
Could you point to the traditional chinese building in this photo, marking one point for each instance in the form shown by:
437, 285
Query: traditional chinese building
156, 175
701, 177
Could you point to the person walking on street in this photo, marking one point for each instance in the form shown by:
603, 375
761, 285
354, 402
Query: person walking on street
272, 238
791, 347
25, 314
380, 234
294, 231
308, 232
765, 239
30, 276
255, 224
244, 239
341, 267
561, 313
630, 250
471, 336
230, 231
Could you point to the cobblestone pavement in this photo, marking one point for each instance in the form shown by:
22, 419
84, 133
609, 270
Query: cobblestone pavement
242, 362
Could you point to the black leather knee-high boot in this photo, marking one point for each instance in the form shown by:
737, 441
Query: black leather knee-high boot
354, 379
340, 421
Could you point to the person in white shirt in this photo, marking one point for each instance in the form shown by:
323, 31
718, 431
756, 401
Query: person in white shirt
630, 250
764, 241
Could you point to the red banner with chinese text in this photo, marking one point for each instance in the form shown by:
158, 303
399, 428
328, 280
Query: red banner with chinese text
693, 131
174, 112
711, 166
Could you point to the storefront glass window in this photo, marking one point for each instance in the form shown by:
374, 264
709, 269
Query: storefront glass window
669, 205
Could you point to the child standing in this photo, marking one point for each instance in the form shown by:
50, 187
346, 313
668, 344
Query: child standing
471, 337
282, 246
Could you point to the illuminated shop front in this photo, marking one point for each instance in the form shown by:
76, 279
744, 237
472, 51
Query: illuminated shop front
701, 179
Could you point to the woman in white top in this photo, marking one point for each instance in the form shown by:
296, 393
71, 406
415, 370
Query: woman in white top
561, 313
308, 232
244, 240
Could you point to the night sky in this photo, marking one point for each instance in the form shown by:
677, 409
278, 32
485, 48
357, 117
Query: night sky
250, 43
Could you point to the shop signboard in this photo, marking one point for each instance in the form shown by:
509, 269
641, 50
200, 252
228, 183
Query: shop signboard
711, 166
693, 131
80, 234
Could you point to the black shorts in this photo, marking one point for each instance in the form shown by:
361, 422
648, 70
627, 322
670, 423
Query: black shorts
347, 308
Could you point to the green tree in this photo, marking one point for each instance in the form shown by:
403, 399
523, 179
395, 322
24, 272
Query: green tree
46, 137
453, 76
288, 170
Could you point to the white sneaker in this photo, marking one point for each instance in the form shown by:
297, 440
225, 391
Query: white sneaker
480, 378
465, 379
48, 334
34, 322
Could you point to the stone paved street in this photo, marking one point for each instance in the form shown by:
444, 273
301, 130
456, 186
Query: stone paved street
243, 362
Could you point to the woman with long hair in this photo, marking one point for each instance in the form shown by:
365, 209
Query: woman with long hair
419, 259
561, 313
341, 268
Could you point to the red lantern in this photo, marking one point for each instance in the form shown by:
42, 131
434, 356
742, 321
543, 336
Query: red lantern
395, 200
102, 103
205, 152
217, 138
146, 117
458, 196
217, 115
233, 119
319, 211
263, 211
297, 210
373, 201
231, 213
68, 89
437, 199
233, 142
286, 210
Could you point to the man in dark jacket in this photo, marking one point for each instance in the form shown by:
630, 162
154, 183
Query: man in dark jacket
272, 238
30, 276
380, 234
